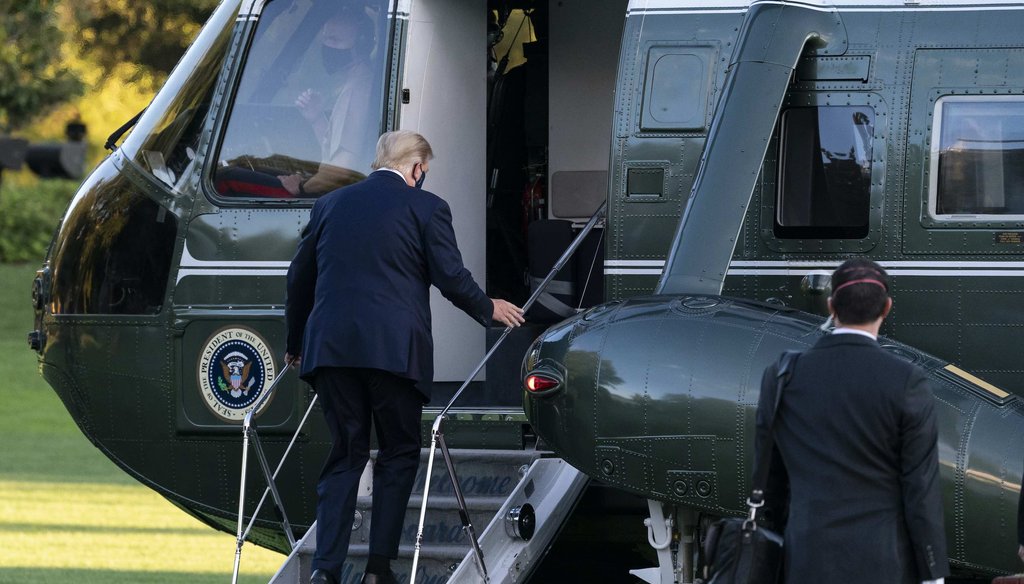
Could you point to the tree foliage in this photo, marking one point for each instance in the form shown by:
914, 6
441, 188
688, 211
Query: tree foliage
28, 216
34, 79
152, 34
121, 50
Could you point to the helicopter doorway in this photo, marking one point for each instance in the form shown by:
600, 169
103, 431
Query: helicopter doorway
551, 75
516, 99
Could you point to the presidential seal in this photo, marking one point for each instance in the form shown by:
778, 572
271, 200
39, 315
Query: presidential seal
235, 367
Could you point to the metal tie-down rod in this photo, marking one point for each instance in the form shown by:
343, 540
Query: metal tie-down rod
249, 433
437, 434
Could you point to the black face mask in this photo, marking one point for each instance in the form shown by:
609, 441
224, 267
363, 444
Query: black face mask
335, 59
421, 179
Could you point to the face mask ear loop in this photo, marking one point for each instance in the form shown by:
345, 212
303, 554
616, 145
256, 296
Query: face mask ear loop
422, 178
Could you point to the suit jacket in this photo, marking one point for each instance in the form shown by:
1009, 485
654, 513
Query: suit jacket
1020, 517
856, 448
359, 285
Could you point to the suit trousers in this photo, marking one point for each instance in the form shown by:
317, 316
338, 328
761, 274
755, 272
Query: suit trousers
352, 398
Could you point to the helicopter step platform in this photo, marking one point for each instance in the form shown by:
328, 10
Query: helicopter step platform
487, 479
521, 532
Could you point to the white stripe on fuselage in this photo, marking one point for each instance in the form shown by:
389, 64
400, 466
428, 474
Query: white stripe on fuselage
224, 272
667, 7
802, 268
190, 266
188, 261
841, 5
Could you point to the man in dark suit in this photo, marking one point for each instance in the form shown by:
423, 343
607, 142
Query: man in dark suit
358, 315
856, 448
1020, 526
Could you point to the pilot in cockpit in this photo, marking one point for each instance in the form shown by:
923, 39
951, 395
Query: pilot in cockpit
337, 110
308, 107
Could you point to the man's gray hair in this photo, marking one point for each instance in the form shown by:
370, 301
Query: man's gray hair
402, 150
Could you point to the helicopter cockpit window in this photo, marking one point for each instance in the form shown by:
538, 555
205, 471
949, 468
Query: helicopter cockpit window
166, 138
824, 187
113, 252
307, 111
978, 159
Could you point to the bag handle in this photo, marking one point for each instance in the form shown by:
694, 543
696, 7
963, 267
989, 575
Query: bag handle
784, 371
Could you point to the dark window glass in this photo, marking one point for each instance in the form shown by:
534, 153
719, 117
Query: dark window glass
113, 252
307, 111
165, 140
825, 172
980, 158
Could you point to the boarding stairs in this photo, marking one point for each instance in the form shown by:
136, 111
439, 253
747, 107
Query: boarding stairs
489, 479
486, 477
523, 497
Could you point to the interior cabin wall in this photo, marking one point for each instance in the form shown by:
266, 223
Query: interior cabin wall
445, 60
585, 37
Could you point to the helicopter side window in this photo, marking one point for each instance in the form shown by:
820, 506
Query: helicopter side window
307, 111
166, 138
825, 172
978, 158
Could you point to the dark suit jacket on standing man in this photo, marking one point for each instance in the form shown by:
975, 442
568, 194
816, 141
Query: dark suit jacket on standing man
857, 434
1020, 520
359, 286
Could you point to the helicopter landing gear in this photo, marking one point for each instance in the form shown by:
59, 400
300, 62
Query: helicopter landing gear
676, 548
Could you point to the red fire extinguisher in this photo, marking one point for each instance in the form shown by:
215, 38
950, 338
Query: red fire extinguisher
534, 202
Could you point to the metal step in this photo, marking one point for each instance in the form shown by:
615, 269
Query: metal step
442, 525
486, 477
483, 473
437, 562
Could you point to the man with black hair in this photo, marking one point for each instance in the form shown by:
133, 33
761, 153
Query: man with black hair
856, 449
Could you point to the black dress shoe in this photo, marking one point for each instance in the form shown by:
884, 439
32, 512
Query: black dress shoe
322, 577
388, 578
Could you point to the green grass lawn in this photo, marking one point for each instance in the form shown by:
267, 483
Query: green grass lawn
67, 514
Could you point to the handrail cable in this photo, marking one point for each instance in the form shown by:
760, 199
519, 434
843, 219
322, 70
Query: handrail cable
437, 435
249, 433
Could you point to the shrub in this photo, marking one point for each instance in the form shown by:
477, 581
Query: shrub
29, 214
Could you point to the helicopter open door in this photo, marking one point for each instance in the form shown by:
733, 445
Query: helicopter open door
515, 98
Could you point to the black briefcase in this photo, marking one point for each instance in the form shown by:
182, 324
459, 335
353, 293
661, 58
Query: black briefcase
738, 551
